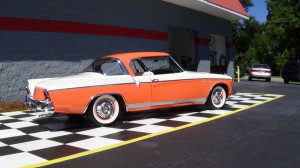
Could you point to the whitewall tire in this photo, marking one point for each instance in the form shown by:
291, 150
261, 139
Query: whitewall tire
217, 98
105, 110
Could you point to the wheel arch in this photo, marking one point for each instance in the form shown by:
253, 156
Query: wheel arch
119, 97
224, 85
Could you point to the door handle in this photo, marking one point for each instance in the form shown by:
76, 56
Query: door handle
155, 80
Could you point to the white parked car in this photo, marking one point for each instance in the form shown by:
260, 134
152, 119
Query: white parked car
260, 71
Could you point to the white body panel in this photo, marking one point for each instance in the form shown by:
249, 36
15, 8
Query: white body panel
87, 79
90, 79
32, 83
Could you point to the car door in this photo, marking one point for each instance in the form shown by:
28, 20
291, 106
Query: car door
169, 83
140, 94
173, 88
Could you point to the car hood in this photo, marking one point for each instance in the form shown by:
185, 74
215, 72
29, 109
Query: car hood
86, 79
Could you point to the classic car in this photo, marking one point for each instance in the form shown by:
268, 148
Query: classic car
127, 82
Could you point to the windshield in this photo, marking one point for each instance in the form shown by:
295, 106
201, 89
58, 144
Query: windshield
106, 66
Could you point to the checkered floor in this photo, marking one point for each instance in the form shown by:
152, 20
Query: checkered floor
26, 139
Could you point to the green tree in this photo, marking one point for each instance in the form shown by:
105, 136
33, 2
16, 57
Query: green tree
283, 27
274, 42
281, 59
243, 34
246, 36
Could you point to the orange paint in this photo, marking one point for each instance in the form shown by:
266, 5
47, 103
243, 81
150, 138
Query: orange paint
174, 90
39, 94
76, 100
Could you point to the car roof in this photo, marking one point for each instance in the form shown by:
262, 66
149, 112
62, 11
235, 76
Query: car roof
132, 55
126, 57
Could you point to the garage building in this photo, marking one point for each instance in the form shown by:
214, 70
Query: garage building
56, 38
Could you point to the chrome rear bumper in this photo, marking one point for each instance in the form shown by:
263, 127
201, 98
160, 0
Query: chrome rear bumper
35, 105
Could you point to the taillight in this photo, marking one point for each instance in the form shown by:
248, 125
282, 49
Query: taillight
268, 71
254, 70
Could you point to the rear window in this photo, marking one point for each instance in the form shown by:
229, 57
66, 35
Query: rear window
261, 66
107, 67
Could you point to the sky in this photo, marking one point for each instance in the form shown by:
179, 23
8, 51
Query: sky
259, 10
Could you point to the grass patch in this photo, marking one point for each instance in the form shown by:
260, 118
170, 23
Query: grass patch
12, 106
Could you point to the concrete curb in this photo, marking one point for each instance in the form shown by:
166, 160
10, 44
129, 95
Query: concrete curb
273, 79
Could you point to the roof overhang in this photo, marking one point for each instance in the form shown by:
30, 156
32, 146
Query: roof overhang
210, 8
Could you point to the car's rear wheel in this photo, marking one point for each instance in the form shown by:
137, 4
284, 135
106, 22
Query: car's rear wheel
216, 98
105, 110
250, 78
286, 81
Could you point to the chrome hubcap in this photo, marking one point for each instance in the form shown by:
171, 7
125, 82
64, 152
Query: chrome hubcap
105, 109
217, 96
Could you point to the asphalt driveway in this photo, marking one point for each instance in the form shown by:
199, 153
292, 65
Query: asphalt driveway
264, 136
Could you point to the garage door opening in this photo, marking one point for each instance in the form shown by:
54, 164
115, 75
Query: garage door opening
182, 47
217, 47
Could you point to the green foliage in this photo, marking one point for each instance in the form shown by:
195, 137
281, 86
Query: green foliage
282, 58
284, 28
244, 35
274, 42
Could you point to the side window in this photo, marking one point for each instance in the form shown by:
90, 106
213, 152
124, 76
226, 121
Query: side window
137, 67
112, 68
161, 65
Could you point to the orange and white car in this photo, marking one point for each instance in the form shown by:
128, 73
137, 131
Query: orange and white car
128, 82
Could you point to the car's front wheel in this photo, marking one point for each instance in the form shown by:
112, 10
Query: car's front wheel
105, 110
216, 98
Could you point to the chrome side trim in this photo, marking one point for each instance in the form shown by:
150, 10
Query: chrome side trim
140, 105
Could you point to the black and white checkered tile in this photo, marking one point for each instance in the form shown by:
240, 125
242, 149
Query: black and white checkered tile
26, 139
